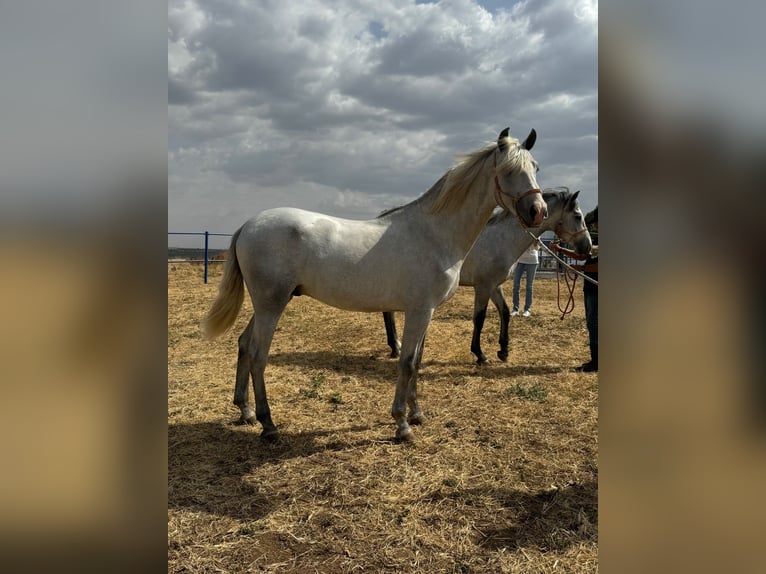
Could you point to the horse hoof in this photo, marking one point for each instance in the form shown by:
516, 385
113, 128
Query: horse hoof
482, 361
394, 355
270, 434
404, 435
251, 420
502, 356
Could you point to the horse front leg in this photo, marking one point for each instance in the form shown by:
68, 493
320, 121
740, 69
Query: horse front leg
415, 327
505, 317
415, 416
480, 300
391, 338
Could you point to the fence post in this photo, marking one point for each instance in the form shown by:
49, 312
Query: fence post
206, 240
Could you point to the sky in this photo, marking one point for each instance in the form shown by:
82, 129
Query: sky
350, 107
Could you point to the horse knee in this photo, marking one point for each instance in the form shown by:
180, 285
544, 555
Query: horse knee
408, 366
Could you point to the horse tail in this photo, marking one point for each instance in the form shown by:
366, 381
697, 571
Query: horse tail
231, 293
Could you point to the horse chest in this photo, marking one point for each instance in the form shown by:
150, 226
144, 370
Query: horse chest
451, 291
451, 281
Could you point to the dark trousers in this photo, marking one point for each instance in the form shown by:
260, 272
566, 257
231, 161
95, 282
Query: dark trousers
590, 293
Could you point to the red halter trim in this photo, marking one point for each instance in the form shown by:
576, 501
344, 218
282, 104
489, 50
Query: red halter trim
571, 235
499, 196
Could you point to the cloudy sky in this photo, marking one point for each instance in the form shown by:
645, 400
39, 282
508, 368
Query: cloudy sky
349, 107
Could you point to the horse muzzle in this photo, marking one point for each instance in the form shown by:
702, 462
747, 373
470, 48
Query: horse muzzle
538, 211
535, 212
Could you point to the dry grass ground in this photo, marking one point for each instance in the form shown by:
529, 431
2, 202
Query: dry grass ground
501, 478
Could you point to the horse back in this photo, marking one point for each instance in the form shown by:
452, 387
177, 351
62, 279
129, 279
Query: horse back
369, 265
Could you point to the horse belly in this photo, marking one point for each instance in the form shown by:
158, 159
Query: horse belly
373, 283
406, 287
354, 290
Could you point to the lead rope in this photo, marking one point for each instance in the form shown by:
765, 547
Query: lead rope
570, 304
567, 268
564, 263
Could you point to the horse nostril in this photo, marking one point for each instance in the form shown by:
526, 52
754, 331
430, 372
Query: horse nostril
537, 214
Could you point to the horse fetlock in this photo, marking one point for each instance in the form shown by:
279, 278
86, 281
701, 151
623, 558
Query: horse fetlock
403, 430
247, 416
481, 358
269, 428
416, 418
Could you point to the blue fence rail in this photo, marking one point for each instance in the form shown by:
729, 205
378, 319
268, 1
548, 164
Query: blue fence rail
547, 263
206, 255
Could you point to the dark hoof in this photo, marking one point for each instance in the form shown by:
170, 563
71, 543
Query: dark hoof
502, 356
482, 361
394, 355
270, 435
589, 367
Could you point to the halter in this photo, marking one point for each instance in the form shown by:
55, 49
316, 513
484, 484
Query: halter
558, 231
499, 197
569, 306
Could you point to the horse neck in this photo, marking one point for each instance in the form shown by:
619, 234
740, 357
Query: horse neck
517, 236
460, 227
512, 233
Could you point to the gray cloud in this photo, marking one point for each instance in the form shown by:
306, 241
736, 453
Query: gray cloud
353, 106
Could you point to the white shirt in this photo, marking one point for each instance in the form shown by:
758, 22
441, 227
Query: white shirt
530, 255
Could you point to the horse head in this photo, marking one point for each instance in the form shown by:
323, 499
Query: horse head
570, 222
515, 181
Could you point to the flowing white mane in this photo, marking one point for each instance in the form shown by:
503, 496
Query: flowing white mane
469, 167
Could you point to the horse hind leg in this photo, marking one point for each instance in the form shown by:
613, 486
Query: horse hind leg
505, 317
479, 315
265, 323
243, 375
391, 338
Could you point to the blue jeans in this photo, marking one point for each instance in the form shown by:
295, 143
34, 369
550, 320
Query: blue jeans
590, 294
529, 269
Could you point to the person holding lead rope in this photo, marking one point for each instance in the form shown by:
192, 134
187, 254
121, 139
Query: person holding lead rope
590, 290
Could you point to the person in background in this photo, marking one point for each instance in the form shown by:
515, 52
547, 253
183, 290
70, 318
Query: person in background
527, 263
590, 291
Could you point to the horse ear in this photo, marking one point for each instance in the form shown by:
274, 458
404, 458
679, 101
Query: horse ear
530, 141
502, 145
576, 193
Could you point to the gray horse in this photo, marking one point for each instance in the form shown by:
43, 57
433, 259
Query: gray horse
492, 259
408, 259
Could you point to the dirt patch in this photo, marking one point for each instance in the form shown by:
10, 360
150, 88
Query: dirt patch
502, 477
